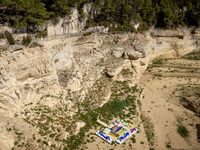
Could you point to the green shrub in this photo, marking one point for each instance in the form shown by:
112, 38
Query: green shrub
195, 55
42, 34
2, 36
168, 145
133, 139
182, 131
9, 37
45, 143
158, 61
148, 128
26, 40
87, 33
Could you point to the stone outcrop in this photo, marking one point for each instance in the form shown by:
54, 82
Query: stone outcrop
113, 71
74, 24
66, 26
132, 54
64, 69
96, 29
117, 52
168, 33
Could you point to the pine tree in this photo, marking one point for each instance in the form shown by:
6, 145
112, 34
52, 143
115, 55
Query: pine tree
148, 13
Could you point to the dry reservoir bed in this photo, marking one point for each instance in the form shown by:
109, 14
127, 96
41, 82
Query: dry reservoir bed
171, 100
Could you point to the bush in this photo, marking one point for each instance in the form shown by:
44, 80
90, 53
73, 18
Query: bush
195, 55
9, 37
133, 139
158, 61
42, 34
87, 33
148, 128
182, 131
26, 40
2, 36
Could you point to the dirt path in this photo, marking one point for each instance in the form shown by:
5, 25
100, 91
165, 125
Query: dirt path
163, 108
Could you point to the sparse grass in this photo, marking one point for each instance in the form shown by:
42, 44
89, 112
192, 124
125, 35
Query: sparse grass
9, 37
149, 128
126, 72
120, 100
26, 40
195, 55
189, 97
52, 122
19, 136
182, 131
45, 143
158, 61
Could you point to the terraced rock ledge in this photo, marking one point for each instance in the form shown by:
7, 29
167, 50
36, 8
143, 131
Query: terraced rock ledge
51, 95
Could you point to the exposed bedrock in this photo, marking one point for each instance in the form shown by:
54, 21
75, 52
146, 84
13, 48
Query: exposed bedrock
76, 63
64, 69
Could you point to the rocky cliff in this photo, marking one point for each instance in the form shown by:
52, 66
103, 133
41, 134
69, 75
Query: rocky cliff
62, 72
72, 24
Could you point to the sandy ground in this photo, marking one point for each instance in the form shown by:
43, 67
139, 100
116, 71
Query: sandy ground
163, 108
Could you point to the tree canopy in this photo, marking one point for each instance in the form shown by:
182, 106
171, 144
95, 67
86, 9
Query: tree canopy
117, 14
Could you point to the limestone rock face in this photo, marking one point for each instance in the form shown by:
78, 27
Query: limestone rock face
64, 70
66, 26
74, 24
75, 63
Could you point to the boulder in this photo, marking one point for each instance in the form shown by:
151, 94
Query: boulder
133, 55
117, 52
139, 47
112, 72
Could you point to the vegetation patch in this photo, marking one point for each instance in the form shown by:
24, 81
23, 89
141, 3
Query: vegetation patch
158, 61
26, 40
26, 15
148, 128
133, 139
189, 97
116, 107
195, 55
9, 37
182, 131
53, 124
126, 72
198, 132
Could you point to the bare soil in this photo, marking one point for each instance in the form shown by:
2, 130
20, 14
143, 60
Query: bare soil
163, 85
